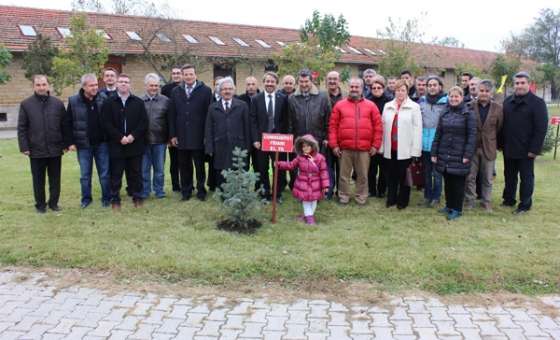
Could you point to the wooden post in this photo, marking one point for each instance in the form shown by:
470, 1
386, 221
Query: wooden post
274, 187
556, 140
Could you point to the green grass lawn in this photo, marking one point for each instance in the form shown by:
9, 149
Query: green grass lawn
394, 250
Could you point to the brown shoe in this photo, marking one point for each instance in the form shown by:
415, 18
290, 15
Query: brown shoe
116, 206
486, 206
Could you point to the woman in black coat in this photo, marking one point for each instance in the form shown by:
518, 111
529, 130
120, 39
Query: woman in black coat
227, 127
453, 148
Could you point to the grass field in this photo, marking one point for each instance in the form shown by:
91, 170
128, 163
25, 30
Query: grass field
395, 250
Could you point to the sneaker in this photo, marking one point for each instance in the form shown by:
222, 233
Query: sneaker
519, 211
310, 220
453, 215
444, 210
85, 204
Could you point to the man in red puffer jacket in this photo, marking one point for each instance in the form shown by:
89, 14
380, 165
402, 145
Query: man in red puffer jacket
355, 133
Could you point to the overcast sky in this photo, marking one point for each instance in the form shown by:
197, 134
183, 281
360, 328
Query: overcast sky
479, 24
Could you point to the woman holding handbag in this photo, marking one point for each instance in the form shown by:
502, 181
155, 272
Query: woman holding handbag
402, 140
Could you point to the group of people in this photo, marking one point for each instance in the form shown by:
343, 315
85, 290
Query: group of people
369, 137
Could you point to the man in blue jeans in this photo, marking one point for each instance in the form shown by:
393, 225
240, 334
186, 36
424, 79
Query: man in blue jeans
432, 106
154, 156
89, 139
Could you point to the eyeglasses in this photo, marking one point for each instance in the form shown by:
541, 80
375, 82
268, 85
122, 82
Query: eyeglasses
377, 88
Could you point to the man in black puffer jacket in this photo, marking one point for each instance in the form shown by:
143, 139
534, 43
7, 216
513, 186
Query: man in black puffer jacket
43, 136
89, 139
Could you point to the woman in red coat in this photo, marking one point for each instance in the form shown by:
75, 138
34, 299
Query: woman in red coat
312, 181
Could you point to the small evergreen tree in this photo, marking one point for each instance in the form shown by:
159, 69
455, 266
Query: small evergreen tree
39, 57
238, 195
550, 140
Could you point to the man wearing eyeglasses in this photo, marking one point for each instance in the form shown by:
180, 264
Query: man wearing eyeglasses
524, 129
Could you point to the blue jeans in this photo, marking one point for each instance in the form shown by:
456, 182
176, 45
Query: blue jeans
153, 157
432, 178
85, 157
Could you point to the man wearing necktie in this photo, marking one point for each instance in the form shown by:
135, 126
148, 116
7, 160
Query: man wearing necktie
268, 114
227, 127
187, 117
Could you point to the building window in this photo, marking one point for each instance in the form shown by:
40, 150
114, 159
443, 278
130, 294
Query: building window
104, 34
282, 44
354, 50
224, 70
27, 30
133, 35
64, 32
190, 39
340, 49
3, 116
161, 36
262, 43
370, 51
217, 40
240, 42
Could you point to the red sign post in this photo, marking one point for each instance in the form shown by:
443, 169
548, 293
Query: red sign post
555, 121
276, 142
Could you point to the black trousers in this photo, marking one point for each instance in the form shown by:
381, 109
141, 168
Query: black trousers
454, 191
523, 169
40, 168
334, 172
133, 168
264, 159
376, 177
293, 173
398, 191
211, 181
186, 160
174, 168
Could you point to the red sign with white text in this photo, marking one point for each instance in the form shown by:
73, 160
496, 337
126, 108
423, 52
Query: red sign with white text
277, 142
555, 120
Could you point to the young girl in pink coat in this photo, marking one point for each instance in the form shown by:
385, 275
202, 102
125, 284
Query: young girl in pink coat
312, 181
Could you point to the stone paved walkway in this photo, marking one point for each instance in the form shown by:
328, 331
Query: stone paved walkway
34, 308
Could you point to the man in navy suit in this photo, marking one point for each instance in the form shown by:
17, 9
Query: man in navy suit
269, 113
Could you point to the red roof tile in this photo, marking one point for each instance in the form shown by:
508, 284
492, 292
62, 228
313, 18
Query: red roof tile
45, 22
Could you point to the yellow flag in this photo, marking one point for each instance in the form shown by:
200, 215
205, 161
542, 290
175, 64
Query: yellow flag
502, 84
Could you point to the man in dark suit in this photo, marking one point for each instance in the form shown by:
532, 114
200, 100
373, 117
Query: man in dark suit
522, 138
269, 113
187, 118
227, 127
176, 77
126, 123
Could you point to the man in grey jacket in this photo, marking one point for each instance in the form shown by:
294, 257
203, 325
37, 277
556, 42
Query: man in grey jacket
43, 137
157, 106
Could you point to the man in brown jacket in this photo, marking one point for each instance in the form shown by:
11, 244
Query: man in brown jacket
490, 119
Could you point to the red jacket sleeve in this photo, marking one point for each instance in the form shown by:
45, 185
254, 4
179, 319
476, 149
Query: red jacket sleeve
333, 127
377, 136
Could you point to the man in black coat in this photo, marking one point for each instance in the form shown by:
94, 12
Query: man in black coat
187, 117
522, 138
227, 127
110, 80
89, 138
166, 90
43, 136
335, 95
269, 113
126, 123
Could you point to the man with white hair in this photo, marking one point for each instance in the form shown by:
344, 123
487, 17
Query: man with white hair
89, 139
227, 127
154, 157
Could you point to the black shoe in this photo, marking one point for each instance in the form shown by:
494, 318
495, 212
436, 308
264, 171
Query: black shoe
508, 204
176, 189
519, 211
201, 197
401, 207
85, 205
54, 207
41, 210
380, 195
390, 204
105, 204
185, 198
